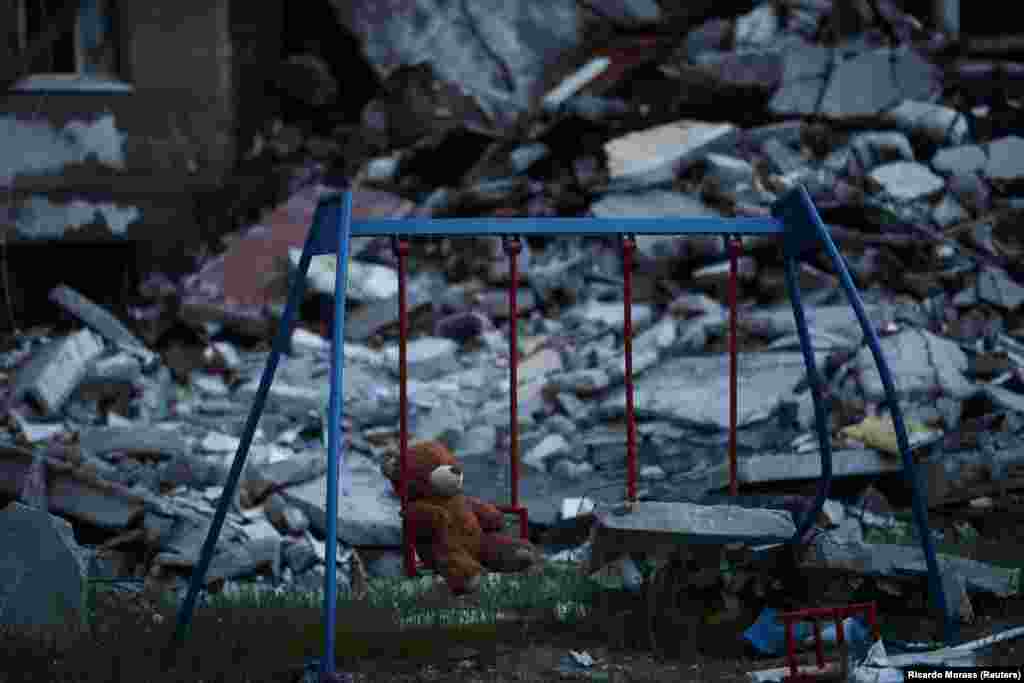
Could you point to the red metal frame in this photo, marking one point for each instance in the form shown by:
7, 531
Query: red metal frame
628, 246
513, 247
735, 246
816, 614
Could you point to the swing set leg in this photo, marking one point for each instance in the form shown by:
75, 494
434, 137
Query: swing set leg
805, 231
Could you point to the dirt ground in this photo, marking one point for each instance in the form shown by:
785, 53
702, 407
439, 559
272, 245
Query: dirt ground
254, 646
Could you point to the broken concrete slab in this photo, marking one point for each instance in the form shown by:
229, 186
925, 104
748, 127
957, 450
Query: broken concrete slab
859, 87
366, 281
996, 287
928, 121
959, 160
907, 180
1005, 159
886, 559
105, 324
554, 445
370, 319
654, 203
286, 518
646, 525
838, 320
654, 156
368, 515
874, 148
921, 363
427, 358
136, 440
54, 372
43, 576
73, 492
499, 53
695, 389
760, 469
299, 468
873, 81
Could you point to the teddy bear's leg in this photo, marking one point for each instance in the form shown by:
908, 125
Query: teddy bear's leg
460, 571
503, 553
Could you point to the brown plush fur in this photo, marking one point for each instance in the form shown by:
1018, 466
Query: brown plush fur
464, 533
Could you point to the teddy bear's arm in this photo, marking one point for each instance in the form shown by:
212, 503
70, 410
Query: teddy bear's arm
426, 515
491, 519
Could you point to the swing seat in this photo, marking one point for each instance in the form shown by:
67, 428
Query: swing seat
650, 525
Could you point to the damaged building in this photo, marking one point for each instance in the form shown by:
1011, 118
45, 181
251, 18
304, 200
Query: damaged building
135, 132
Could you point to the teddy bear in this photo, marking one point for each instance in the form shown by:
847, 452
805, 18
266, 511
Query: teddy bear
457, 535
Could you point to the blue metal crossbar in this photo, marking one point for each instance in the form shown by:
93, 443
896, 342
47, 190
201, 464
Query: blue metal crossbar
793, 217
327, 242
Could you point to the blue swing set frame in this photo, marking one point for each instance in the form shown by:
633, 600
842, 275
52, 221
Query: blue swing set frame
794, 218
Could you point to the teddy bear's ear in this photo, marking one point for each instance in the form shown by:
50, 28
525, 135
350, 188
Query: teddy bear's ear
431, 454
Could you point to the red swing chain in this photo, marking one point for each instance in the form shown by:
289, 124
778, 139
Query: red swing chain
735, 246
512, 247
628, 246
401, 249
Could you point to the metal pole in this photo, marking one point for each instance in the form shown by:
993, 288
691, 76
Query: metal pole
734, 247
628, 245
335, 443
281, 343
512, 246
401, 249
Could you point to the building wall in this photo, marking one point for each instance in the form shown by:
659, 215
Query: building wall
95, 166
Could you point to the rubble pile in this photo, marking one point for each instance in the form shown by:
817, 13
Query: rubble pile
126, 425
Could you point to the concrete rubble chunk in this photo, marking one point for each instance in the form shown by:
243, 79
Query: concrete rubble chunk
695, 389
761, 469
497, 56
553, 445
120, 368
1005, 159
137, 439
56, 370
427, 357
859, 87
286, 518
869, 83
948, 212
932, 122
654, 156
368, 320
610, 314
74, 492
921, 364
651, 203
959, 160
302, 467
726, 174
217, 442
102, 322
43, 573
366, 281
803, 77
782, 157
696, 523
758, 27
907, 180
891, 560
996, 287
875, 148
368, 515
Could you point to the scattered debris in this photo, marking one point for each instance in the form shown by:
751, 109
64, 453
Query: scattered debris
129, 424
